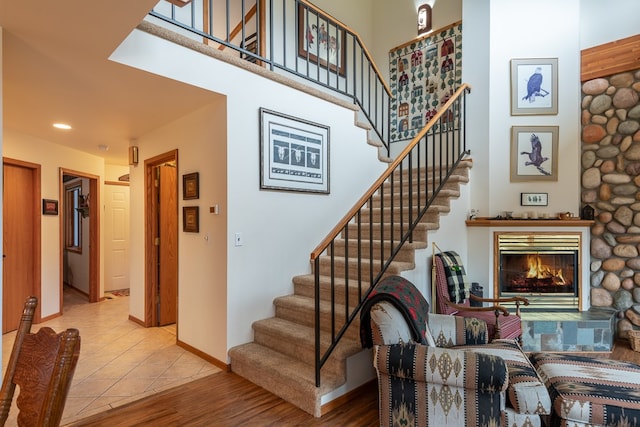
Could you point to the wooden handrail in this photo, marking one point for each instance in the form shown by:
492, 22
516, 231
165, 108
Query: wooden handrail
345, 220
356, 35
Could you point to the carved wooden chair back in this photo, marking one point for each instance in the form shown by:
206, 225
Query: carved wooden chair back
42, 365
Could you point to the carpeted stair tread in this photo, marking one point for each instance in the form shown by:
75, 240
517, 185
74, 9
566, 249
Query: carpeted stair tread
295, 339
284, 376
301, 309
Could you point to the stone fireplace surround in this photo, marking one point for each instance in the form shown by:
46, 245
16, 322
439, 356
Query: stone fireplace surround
581, 330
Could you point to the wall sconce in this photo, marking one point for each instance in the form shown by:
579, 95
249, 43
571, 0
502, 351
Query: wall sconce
133, 155
424, 19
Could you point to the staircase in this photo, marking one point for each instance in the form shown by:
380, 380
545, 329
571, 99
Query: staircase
281, 358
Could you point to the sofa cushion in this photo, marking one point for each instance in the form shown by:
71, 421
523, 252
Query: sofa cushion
526, 393
388, 326
450, 331
590, 391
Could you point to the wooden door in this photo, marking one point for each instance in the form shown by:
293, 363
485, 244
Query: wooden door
20, 239
116, 226
168, 245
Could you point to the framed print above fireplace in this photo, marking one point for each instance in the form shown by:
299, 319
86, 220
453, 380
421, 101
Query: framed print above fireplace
534, 86
534, 153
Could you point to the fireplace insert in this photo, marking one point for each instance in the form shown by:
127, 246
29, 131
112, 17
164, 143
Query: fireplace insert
541, 267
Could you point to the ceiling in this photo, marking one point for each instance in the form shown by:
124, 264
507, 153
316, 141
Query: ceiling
56, 69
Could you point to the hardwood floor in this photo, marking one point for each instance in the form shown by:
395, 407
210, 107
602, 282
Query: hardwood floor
225, 399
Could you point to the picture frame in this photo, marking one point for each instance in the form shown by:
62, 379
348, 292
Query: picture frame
534, 153
534, 86
321, 41
49, 207
191, 219
534, 199
294, 154
190, 186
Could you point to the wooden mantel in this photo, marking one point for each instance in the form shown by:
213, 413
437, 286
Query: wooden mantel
492, 222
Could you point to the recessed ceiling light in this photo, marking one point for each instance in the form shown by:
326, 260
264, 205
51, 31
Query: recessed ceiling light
61, 126
103, 147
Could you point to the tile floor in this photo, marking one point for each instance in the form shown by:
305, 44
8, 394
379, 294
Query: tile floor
120, 361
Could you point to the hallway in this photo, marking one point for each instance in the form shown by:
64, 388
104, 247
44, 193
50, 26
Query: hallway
120, 361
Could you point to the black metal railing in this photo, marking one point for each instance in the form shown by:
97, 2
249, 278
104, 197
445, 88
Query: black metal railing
365, 244
292, 37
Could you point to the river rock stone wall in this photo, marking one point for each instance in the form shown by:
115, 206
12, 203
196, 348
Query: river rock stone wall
611, 185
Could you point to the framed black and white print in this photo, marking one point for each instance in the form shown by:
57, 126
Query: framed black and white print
534, 153
534, 86
294, 154
534, 199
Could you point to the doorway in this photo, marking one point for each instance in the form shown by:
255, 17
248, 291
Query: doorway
21, 237
161, 239
80, 236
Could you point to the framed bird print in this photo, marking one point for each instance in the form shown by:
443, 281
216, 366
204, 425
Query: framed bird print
534, 86
534, 153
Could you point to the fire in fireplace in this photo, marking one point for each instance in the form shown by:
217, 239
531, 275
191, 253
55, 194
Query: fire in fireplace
542, 267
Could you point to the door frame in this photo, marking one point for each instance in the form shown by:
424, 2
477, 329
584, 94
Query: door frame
151, 225
94, 235
36, 192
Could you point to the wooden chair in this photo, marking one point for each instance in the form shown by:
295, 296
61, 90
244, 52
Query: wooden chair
449, 277
42, 365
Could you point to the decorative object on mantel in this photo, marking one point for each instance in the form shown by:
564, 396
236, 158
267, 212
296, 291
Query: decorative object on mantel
565, 216
588, 212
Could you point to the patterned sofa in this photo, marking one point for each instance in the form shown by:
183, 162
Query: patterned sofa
442, 371
588, 391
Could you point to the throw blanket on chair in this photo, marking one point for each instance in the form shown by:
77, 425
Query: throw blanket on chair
406, 298
457, 280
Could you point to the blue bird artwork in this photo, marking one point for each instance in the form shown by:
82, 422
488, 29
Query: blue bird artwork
535, 155
534, 86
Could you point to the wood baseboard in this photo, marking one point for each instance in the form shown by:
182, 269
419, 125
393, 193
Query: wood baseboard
224, 366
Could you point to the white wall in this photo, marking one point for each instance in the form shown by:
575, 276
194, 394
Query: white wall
52, 157
606, 21
280, 229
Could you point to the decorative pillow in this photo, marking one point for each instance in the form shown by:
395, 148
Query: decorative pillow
388, 326
457, 280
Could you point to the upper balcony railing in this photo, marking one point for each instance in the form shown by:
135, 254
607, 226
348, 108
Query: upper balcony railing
292, 37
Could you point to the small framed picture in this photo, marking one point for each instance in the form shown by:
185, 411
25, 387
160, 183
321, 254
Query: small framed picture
534, 86
534, 199
49, 207
191, 219
190, 186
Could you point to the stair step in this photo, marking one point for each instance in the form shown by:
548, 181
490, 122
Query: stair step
284, 376
364, 247
301, 309
298, 341
361, 269
304, 285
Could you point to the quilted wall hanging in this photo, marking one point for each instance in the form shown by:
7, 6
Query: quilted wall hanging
424, 74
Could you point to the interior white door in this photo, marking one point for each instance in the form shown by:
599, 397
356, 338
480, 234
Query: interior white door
116, 228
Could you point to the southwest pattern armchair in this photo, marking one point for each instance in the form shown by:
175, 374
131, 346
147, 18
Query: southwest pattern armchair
451, 376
